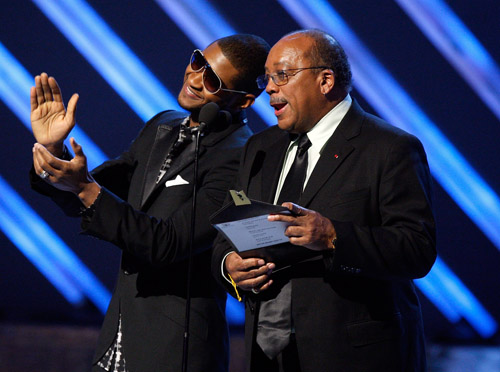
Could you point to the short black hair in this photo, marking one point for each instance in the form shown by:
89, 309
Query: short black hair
248, 54
327, 51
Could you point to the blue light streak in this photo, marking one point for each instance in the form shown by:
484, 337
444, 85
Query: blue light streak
109, 55
434, 293
459, 46
50, 255
460, 297
453, 172
14, 231
202, 24
15, 84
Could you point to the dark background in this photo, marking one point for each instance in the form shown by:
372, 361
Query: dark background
25, 294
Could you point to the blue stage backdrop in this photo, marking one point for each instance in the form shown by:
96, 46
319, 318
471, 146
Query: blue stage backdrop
429, 67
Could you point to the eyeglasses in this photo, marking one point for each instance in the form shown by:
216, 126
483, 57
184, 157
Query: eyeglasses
211, 81
281, 77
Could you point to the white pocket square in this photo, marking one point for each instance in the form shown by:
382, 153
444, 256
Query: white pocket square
176, 181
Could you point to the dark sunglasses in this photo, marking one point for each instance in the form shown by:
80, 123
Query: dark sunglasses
211, 81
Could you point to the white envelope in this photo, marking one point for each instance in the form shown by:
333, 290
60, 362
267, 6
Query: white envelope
176, 181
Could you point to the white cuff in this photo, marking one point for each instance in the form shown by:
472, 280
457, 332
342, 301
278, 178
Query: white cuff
222, 267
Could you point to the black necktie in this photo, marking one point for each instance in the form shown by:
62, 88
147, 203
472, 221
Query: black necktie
275, 318
294, 181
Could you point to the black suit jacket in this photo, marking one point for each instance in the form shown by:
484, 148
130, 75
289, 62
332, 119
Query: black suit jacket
354, 309
151, 224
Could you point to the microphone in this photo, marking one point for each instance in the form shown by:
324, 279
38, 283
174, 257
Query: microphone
208, 114
226, 119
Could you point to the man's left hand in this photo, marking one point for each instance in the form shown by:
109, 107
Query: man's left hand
307, 228
72, 175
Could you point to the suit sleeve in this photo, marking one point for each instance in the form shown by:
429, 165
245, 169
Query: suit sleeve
403, 245
221, 246
162, 241
114, 174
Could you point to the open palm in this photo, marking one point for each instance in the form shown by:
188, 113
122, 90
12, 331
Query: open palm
50, 121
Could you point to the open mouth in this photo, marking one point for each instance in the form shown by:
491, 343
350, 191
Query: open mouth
279, 108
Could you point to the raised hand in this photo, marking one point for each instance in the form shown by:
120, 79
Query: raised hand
50, 121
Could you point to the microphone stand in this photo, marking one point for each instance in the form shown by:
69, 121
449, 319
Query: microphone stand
190, 260
208, 114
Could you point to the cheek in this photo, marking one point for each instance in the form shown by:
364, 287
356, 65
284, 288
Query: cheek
187, 72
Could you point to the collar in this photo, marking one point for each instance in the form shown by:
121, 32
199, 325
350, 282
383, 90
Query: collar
326, 126
219, 132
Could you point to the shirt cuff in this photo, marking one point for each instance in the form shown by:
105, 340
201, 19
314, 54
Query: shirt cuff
88, 213
222, 265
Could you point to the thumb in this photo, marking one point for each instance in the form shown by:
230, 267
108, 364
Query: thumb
71, 111
297, 209
77, 149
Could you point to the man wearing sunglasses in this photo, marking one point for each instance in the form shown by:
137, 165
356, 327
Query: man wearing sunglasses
142, 201
359, 194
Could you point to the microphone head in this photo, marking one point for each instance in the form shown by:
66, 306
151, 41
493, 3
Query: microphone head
225, 119
208, 114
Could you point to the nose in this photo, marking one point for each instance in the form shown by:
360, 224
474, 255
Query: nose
271, 87
196, 79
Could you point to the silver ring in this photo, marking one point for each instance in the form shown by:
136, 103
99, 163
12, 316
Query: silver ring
44, 175
255, 291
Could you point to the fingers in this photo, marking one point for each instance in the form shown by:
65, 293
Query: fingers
259, 288
47, 92
236, 263
242, 269
33, 99
257, 284
282, 217
41, 169
249, 273
45, 160
36, 163
306, 227
42, 89
39, 90
53, 87
296, 209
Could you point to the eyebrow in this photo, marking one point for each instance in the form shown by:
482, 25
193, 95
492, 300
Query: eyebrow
283, 66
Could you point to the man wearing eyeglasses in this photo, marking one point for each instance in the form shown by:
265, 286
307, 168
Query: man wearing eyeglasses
359, 194
142, 201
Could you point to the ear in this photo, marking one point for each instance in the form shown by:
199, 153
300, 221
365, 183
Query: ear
245, 101
327, 81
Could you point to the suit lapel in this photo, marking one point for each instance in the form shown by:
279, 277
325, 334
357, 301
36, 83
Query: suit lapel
185, 158
275, 155
163, 142
336, 150
165, 138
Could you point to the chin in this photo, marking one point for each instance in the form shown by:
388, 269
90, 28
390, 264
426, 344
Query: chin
283, 125
188, 104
